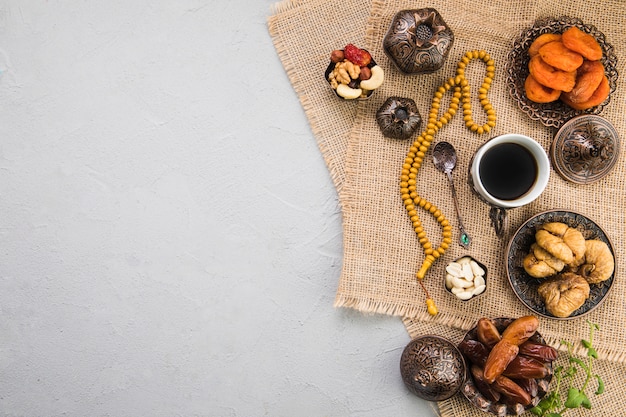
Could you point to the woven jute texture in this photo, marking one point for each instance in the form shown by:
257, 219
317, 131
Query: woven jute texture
381, 251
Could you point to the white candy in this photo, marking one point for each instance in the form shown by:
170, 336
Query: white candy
467, 272
454, 269
449, 284
456, 290
465, 295
479, 289
465, 278
462, 283
476, 269
478, 281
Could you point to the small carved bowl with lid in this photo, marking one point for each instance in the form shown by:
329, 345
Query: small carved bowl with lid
398, 118
432, 368
418, 41
585, 149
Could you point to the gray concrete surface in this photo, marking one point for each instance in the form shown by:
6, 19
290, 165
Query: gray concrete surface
171, 239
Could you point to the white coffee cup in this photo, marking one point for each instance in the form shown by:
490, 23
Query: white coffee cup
513, 190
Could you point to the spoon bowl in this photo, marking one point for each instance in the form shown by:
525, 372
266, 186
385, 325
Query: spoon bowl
444, 157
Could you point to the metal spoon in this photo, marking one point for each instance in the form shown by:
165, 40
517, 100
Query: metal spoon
444, 157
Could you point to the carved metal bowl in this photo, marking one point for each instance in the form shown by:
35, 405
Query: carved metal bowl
585, 149
525, 287
474, 396
556, 113
418, 41
398, 118
432, 368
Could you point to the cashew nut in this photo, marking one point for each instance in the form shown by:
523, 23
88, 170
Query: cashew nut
375, 81
347, 92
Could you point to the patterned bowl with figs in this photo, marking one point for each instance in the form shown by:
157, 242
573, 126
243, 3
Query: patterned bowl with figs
526, 287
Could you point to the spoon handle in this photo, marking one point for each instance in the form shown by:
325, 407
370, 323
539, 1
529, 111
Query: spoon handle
464, 238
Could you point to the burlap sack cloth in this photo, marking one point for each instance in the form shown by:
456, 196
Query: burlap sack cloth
381, 253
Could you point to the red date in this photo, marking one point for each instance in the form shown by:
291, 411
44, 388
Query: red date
482, 385
510, 389
523, 367
487, 332
538, 351
529, 385
475, 351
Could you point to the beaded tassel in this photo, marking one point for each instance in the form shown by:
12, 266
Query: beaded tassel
415, 156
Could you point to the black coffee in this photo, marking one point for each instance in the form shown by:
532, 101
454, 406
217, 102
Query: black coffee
508, 171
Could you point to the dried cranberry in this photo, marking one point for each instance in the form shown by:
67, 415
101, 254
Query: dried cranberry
356, 55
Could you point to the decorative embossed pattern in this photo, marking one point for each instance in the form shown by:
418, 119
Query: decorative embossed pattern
585, 149
474, 396
556, 113
418, 41
525, 287
432, 368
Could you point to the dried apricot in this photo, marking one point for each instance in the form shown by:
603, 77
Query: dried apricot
583, 43
560, 56
598, 96
551, 77
588, 77
542, 40
540, 93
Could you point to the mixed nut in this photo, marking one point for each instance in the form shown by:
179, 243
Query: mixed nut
353, 73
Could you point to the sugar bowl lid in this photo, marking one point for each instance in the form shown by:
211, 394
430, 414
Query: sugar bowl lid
585, 149
432, 368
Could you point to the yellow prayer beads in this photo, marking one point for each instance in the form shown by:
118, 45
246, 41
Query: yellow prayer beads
461, 97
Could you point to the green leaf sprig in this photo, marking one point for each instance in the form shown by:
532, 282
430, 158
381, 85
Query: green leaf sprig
552, 404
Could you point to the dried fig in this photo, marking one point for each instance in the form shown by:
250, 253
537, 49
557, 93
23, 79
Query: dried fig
564, 294
599, 262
